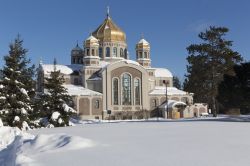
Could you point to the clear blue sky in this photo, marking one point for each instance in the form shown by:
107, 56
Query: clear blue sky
50, 28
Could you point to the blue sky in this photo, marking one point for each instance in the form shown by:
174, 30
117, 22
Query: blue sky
50, 28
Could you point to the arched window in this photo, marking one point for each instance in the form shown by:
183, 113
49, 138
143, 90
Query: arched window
114, 52
115, 91
107, 52
121, 52
140, 54
126, 89
125, 53
97, 104
87, 52
93, 52
154, 103
145, 55
137, 92
100, 52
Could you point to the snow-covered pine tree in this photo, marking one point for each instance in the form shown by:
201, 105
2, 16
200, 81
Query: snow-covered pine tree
57, 100
18, 84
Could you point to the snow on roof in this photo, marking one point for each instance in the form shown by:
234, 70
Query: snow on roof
48, 68
74, 90
75, 67
159, 90
92, 38
130, 62
64, 69
143, 41
105, 64
172, 104
162, 72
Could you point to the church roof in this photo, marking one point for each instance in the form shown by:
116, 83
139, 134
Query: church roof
74, 90
172, 104
143, 41
77, 48
109, 31
64, 69
161, 90
162, 72
92, 38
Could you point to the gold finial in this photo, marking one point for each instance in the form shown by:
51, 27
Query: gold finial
107, 11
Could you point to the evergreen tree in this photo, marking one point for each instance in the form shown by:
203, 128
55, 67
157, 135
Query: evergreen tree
56, 99
18, 85
176, 82
207, 63
234, 90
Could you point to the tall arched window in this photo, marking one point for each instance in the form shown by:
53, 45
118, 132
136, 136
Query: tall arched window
126, 89
145, 55
121, 52
107, 52
87, 52
93, 52
100, 52
125, 53
137, 92
115, 52
115, 91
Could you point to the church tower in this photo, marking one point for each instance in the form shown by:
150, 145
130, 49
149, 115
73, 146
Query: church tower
143, 53
112, 40
91, 57
77, 55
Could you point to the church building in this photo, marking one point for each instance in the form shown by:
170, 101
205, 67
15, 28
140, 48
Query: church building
102, 76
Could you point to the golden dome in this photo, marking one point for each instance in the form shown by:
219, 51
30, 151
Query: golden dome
109, 31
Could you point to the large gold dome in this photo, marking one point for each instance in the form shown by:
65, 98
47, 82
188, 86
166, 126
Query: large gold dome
109, 31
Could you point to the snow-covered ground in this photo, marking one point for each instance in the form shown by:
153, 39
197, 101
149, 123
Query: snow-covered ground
205, 142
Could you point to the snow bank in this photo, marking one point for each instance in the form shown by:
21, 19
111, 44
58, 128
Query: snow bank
7, 136
46, 144
21, 148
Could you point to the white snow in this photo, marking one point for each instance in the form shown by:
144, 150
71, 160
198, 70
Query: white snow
143, 41
23, 111
194, 142
2, 98
74, 90
1, 86
7, 136
172, 104
16, 119
1, 123
68, 109
92, 38
25, 126
48, 68
162, 72
161, 90
24, 91
55, 116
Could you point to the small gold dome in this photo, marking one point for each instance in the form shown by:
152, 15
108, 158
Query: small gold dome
109, 31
